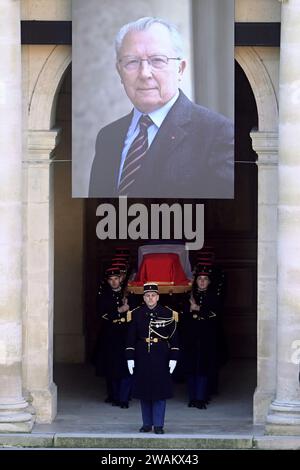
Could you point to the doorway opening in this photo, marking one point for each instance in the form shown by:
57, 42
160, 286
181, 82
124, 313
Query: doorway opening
80, 259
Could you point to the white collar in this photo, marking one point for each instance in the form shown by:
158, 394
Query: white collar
158, 115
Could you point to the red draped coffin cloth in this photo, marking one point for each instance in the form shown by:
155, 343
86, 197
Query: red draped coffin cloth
164, 269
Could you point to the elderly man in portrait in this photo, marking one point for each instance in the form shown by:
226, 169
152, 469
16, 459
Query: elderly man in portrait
167, 147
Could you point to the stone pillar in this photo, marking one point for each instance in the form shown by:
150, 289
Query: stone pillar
39, 274
14, 415
284, 413
265, 144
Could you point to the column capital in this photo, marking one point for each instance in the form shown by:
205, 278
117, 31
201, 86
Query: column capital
41, 145
265, 144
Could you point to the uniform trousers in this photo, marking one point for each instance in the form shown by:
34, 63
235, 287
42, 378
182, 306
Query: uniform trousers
153, 412
121, 389
197, 387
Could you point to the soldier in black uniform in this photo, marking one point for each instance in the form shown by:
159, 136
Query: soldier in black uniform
218, 283
152, 352
122, 266
199, 336
122, 255
113, 308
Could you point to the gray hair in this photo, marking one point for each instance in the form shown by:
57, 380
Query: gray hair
143, 24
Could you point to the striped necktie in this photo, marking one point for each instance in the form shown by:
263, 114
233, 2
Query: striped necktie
133, 160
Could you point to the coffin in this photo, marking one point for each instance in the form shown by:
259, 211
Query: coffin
165, 270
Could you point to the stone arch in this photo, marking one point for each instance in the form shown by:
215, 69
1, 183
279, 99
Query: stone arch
39, 213
259, 79
265, 144
43, 101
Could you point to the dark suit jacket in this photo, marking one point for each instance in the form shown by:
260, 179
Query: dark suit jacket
191, 156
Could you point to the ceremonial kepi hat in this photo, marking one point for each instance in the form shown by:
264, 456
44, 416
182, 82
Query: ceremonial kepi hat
205, 255
122, 250
203, 261
150, 287
204, 269
120, 259
120, 266
112, 272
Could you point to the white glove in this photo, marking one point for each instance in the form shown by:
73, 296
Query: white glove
172, 365
130, 365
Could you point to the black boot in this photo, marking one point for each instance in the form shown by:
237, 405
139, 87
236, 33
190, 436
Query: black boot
192, 404
124, 404
145, 428
159, 430
201, 405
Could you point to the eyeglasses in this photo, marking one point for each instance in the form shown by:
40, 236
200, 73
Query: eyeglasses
157, 62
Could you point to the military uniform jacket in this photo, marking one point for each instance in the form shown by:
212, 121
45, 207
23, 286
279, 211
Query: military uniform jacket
199, 330
113, 334
152, 342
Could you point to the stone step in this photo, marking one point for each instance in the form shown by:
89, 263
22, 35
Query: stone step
136, 441
126, 441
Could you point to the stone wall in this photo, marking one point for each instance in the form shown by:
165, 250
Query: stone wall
55, 10
257, 11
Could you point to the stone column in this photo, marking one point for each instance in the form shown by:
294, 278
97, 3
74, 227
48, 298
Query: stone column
284, 413
39, 274
14, 416
265, 144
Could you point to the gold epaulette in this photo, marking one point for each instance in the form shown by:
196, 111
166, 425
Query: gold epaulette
175, 314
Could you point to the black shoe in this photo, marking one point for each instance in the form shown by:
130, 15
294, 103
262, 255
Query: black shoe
159, 430
192, 404
124, 404
201, 405
145, 428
